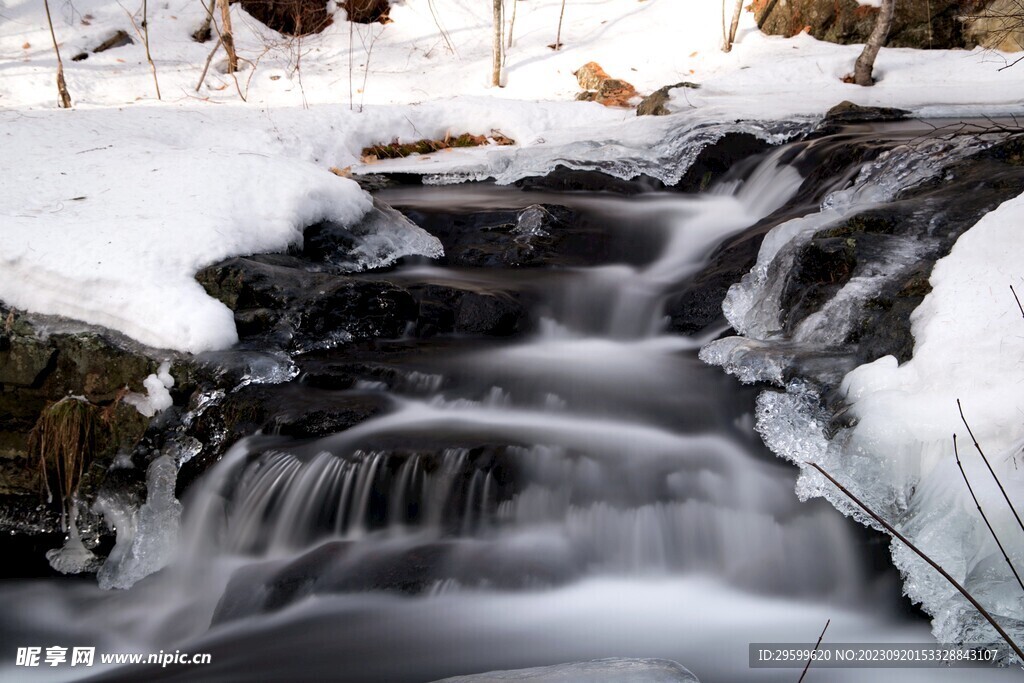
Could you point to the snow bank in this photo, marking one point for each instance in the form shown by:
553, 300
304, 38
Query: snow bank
969, 345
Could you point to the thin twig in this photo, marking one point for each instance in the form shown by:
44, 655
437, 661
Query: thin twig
816, 646
149, 58
934, 565
512, 24
989, 466
62, 86
992, 531
206, 67
1015, 298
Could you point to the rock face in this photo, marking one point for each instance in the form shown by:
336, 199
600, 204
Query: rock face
924, 25
998, 26
291, 17
37, 370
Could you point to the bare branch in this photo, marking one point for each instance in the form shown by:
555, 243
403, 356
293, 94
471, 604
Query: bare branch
934, 565
992, 531
989, 466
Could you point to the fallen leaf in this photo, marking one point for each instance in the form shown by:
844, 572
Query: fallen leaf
341, 172
26, 46
694, 53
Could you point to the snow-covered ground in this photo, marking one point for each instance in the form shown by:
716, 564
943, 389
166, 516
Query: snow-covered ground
107, 210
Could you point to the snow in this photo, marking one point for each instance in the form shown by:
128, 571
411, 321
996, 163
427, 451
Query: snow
119, 202
157, 397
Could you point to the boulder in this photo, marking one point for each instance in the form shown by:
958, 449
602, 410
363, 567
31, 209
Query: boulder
656, 104
924, 25
999, 26
599, 87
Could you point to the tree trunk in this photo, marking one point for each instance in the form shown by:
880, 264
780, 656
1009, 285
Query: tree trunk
226, 36
737, 10
496, 48
558, 36
62, 86
866, 61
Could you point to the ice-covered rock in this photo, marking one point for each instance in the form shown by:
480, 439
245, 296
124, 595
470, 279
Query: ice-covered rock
612, 669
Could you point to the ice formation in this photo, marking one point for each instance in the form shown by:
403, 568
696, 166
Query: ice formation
897, 453
148, 537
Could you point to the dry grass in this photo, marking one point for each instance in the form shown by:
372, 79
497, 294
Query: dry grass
64, 440
398, 150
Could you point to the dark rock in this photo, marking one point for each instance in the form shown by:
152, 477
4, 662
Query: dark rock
446, 309
276, 297
344, 249
367, 11
847, 113
924, 25
564, 179
719, 158
290, 17
823, 266
529, 237
656, 104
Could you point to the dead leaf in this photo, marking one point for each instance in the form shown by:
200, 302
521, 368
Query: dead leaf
26, 46
694, 53
341, 172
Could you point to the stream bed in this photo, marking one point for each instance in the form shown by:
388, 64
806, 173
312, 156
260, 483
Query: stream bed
543, 470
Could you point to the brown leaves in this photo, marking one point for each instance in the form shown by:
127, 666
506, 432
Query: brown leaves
399, 150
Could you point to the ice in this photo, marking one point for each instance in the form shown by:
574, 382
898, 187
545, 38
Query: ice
386, 236
752, 305
73, 557
146, 538
650, 670
897, 454
157, 397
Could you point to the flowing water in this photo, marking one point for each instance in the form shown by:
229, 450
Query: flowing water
591, 490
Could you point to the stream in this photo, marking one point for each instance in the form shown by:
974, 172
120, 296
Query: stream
586, 489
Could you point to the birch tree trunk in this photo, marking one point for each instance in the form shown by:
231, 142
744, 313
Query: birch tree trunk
226, 36
866, 62
737, 10
497, 46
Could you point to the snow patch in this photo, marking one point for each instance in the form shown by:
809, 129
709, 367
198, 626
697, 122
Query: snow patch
157, 397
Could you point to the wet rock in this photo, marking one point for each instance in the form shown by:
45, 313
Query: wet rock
445, 310
718, 158
922, 226
924, 25
531, 237
823, 266
275, 297
344, 567
846, 113
564, 179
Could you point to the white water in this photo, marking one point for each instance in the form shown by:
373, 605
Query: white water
591, 492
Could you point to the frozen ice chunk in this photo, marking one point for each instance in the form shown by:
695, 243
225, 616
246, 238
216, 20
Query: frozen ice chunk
147, 538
